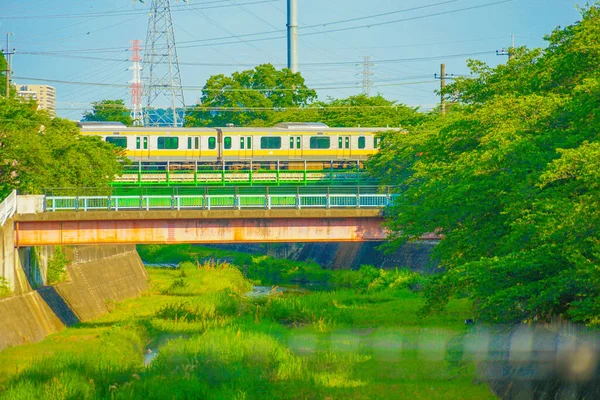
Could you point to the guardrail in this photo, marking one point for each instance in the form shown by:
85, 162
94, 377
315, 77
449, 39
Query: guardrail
8, 207
210, 202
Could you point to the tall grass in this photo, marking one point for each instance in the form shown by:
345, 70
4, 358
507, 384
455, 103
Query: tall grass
363, 340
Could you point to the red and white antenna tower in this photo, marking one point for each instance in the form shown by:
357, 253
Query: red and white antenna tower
137, 111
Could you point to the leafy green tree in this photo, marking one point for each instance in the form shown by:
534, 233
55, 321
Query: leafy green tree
510, 178
2, 75
109, 110
37, 152
353, 111
261, 90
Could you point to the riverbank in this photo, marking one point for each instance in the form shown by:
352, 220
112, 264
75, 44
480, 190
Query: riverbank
214, 341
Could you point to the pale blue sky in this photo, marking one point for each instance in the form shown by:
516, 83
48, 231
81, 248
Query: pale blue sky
67, 31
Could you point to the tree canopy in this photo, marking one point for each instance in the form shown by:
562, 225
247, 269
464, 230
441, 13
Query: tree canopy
262, 90
511, 178
109, 110
37, 152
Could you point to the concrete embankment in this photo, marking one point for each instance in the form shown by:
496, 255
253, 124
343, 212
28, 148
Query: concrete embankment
98, 276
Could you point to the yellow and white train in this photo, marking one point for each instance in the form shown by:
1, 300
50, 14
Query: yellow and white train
285, 141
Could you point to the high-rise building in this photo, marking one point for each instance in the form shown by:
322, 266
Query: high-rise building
44, 95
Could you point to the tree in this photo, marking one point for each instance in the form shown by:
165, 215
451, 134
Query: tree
2, 75
261, 90
37, 152
109, 110
510, 178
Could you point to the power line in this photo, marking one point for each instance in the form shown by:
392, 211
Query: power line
132, 12
215, 90
338, 29
332, 63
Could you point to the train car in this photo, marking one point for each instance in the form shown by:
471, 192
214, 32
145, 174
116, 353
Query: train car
284, 141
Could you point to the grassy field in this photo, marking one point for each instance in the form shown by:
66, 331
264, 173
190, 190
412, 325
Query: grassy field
362, 342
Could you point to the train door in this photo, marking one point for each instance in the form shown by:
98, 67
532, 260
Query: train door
344, 148
246, 147
295, 147
142, 150
193, 151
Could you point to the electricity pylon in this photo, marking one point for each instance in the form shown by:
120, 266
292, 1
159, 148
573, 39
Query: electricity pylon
162, 77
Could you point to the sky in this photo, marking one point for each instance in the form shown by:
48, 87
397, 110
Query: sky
81, 47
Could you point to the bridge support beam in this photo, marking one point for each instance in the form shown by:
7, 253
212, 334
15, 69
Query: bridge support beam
224, 230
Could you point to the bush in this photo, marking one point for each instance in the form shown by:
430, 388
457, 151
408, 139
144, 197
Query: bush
57, 264
4, 287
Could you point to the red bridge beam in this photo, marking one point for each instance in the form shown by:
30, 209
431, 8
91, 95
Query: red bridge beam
200, 226
164, 231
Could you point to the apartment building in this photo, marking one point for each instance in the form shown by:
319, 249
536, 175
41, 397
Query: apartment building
44, 95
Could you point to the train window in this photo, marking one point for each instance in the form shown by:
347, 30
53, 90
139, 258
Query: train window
270, 142
347, 142
212, 143
317, 142
168, 143
291, 142
298, 142
376, 142
249, 142
340, 142
117, 141
227, 143
242, 142
361, 142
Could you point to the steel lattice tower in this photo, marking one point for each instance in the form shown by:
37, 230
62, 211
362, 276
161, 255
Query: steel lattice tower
137, 114
162, 78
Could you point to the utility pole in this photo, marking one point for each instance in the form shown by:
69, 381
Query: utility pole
366, 75
292, 34
510, 51
7, 53
442, 77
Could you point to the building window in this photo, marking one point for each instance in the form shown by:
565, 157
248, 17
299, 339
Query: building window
117, 141
227, 143
317, 142
361, 142
270, 142
212, 143
168, 143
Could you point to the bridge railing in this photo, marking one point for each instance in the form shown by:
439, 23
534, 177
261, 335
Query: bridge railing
8, 207
216, 201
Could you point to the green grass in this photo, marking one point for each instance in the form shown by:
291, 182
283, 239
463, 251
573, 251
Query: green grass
216, 343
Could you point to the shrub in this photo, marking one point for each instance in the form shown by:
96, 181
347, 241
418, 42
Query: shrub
57, 266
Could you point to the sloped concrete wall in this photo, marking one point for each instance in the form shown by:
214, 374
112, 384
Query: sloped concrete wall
98, 275
26, 318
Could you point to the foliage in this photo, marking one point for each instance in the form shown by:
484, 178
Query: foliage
2, 74
57, 264
354, 111
292, 101
4, 287
38, 151
263, 87
109, 110
510, 178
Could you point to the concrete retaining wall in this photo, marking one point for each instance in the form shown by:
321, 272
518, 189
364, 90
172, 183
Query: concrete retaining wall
98, 275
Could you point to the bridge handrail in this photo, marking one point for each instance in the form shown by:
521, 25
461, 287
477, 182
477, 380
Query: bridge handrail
8, 207
216, 201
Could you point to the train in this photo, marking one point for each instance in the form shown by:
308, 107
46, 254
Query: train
291, 141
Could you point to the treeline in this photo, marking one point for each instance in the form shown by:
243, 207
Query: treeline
265, 96
38, 152
511, 178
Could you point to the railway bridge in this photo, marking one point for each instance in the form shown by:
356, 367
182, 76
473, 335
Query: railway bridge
323, 215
